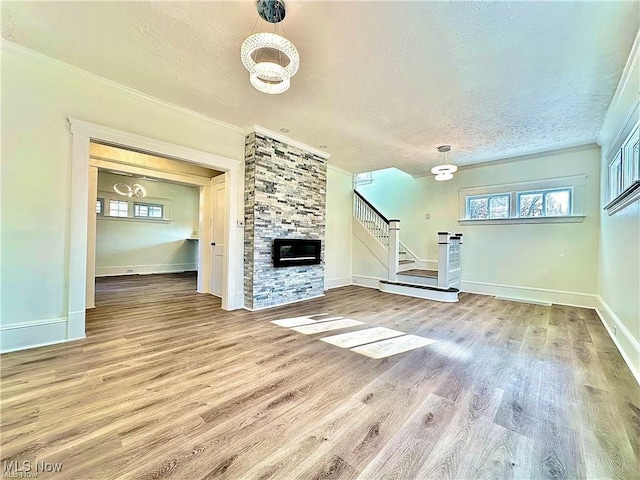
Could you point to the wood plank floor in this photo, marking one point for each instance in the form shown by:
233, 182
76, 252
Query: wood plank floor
167, 385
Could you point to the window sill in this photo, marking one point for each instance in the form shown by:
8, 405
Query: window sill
630, 195
134, 219
513, 221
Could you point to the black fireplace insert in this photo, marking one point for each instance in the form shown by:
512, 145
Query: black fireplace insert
288, 252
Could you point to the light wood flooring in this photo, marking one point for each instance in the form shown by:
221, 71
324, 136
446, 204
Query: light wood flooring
167, 385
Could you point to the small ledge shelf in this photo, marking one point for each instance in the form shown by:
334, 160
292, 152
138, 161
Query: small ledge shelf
515, 221
133, 219
626, 198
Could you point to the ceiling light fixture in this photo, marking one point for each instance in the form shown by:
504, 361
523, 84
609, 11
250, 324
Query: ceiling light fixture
130, 191
445, 169
284, 130
270, 58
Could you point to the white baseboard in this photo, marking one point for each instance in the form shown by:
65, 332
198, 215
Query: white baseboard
532, 302
627, 345
508, 292
38, 333
283, 304
366, 281
336, 282
145, 269
531, 294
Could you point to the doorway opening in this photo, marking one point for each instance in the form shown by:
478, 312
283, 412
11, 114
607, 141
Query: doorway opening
148, 215
101, 149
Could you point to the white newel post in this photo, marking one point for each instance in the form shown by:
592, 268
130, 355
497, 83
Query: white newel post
460, 253
443, 259
394, 249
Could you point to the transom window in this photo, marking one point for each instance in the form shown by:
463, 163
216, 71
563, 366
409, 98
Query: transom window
550, 200
544, 203
118, 208
363, 178
113, 206
147, 210
489, 206
539, 203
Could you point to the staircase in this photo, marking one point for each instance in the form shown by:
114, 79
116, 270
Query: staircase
382, 237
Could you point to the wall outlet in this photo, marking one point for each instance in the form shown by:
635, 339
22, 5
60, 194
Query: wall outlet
427, 216
615, 330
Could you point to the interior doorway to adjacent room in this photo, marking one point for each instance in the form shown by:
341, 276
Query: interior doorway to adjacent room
153, 215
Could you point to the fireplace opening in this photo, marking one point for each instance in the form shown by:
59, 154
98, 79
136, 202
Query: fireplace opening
289, 252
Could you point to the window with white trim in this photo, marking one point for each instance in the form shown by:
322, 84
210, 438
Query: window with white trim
488, 206
538, 201
544, 203
624, 172
147, 210
111, 206
118, 208
365, 178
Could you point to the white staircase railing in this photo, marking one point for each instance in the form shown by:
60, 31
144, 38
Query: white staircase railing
385, 231
372, 220
387, 234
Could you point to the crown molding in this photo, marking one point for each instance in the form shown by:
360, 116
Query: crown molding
288, 141
15, 48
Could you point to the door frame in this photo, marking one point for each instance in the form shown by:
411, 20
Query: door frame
82, 134
213, 183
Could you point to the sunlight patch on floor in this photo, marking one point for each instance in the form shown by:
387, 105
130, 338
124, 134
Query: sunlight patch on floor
360, 337
327, 326
387, 348
375, 342
306, 320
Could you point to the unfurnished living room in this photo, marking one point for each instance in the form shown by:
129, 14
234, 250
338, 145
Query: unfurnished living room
302, 240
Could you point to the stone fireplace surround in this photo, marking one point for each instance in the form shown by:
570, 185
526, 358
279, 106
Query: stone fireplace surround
285, 197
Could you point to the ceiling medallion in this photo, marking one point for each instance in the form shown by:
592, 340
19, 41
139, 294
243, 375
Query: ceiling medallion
270, 58
445, 169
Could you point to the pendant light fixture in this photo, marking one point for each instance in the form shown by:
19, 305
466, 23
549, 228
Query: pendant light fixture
445, 169
270, 58
128, 190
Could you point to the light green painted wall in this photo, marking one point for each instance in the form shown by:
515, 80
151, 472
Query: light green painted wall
144, 246
38, 95
619, 273
338, 230
561, 256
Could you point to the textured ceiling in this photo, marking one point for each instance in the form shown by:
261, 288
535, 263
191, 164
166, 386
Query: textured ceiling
380, 83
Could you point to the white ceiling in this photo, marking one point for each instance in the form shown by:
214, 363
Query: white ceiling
380, 83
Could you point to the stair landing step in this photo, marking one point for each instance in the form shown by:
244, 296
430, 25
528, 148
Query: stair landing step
422, 287
417, 272
420, 291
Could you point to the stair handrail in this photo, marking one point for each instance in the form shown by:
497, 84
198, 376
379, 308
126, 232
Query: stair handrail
376, 211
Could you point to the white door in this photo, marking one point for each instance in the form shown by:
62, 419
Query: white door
217, 234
